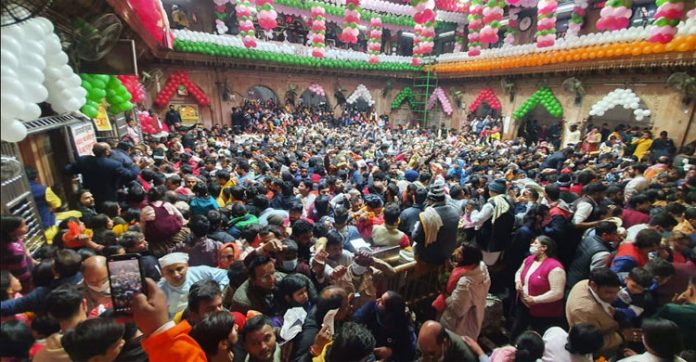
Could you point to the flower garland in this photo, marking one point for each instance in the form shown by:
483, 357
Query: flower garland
246, 26
475, 24
265, 15
615, 15
511, 29
318, 32
374, 43
406, 95
350, 22
486, 95
492, 15
424, 17
317, 89
439, 95
546, 25
665, 20
459, 38
361, 92
577, 17
545, 97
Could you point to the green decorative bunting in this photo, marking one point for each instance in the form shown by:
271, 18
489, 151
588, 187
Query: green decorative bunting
406, 95
290, 59
543, 96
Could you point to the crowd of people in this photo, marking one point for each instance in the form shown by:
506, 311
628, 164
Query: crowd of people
261, 240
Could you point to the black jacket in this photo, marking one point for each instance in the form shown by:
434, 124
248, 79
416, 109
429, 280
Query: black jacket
439, 251
102, 175
409, 218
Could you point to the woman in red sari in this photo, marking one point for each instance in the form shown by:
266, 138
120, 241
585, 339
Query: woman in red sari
464, 302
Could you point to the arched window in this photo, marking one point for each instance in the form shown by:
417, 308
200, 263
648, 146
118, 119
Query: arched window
262, 93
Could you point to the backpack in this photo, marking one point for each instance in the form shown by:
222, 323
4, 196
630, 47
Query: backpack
163, 227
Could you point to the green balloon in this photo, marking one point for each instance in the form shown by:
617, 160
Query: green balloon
98, 83
127, 106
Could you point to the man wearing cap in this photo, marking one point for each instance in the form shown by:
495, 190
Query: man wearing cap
495, 222
178, 278
435, 234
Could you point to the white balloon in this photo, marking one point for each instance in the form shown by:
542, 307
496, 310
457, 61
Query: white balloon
52, 73
14, 131
80, 92
639, 118
52, 44
35, 92
31, 112
66, 71
33, 31
12, 85
8, 59
58, 59
8, 42
33, 60
30, 73
35, 48
634, 105
10, 105
46, 24
647, 112
7, 72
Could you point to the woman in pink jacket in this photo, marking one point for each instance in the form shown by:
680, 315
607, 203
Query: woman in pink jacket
540, 282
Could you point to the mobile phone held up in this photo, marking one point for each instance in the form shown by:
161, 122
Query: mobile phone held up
126, 280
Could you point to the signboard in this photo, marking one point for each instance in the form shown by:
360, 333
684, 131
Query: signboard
83, 137
189, 114
101, 121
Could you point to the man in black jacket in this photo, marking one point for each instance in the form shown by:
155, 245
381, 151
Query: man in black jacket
409, 217
556, 160
101, 174
172, 118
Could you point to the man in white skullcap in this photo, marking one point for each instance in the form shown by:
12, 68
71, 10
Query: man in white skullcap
178, 278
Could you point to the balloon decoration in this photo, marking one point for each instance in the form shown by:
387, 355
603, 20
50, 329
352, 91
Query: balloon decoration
181, 78
100, 86
439, 95
406, 95
148, 123
318, 32
577, 17
284, 54
620, 97
34, 69
154, 20
351, 18
615, 15
424, 17
589, 47
459, 35
361, 92
546, 23
221, 15
513, 23
317, 89
374, 42
486, 95
132, 84
665, 20
492, 15
265, 15
451, 5
381, 9
475, 24
246, 25
543, 96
